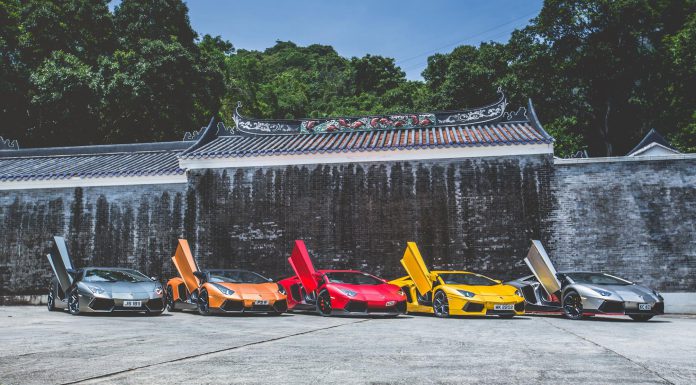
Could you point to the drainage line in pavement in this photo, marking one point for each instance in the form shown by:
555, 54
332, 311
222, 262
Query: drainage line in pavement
612, 351
209, 353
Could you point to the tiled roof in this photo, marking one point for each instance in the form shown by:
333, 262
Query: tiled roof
497, 134
490, 125
652, 137
147, 159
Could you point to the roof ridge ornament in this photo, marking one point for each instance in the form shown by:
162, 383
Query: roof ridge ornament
516, 116
8, 144
489, 113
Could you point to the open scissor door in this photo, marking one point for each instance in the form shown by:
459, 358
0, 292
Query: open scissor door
303, 267
60, 262
542, 268
186, 265
415, 267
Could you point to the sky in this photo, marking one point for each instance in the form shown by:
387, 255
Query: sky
406, 30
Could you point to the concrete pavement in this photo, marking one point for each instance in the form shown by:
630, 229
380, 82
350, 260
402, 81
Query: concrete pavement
39, 347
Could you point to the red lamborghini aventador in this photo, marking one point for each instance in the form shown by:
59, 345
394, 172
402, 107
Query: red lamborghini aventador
332, 292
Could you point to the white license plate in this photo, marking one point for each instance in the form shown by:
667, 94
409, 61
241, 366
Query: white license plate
260, 302
644, 306
503, 307
132, 303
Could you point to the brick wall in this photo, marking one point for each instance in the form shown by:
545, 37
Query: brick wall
129, 226
474, 214
636, 219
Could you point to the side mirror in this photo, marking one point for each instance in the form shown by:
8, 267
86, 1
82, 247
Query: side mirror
499, 281
153, 279
71, 271
269, 279
203, 277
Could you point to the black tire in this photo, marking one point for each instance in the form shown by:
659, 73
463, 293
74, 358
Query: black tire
572, 305
324, 303
640, 317
441, 304
74, 302
51, 300
154, 313
171, 304
203, 303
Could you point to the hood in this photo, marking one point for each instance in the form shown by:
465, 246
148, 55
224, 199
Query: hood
501, 289
629, 293
251, 288
372, 292
125, 287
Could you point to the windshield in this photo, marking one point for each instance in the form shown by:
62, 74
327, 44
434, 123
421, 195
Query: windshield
596, 279
125, 275
353, 278
466, 279
236, 276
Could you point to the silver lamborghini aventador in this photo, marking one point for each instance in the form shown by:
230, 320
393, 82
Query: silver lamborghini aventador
579, 294
100, 289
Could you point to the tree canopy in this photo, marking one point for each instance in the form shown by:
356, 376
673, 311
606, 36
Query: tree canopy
600, 72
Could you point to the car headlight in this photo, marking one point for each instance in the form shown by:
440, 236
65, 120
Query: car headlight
158, 290
96, 289
603, 293
465, 293
223, 289
281, 289
658, 295
348, 292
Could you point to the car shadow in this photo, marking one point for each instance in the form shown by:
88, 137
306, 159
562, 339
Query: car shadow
617, 319
427, 315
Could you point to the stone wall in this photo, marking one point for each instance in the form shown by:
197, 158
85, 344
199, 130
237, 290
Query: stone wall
476, 214
130, 226
635, 218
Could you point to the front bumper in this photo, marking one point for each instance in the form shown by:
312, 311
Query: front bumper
109, 305
363, 308
475, 307
243, 306
608, 307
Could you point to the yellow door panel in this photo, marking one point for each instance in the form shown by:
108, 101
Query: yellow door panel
415, 267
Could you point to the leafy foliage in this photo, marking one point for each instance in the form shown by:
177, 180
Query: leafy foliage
601, 74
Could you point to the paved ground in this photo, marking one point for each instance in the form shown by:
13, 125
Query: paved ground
38, 347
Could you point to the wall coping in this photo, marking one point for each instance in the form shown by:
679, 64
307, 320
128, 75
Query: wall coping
618, 159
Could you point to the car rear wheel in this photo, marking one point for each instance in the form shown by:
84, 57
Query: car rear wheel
324, 303
74, 302
171, 305
441, 305
572, 306
640, 317
51, 300
203, 303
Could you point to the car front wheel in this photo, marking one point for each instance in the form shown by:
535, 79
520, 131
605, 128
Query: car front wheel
441, 305
74, 302
572, 305
51, 300
204, 303
324, 303
640, 317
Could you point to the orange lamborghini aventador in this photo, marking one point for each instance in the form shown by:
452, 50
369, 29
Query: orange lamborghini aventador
221, 291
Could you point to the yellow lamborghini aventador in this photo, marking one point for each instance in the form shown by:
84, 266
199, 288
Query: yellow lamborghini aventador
448, 293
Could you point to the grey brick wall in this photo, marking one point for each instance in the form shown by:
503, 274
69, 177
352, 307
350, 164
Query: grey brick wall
476, 214
635, 219
130, 226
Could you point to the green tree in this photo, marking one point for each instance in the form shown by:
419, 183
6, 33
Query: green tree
165, 20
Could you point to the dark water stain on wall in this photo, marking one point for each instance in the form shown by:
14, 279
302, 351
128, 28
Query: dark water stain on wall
127, 226
476, 214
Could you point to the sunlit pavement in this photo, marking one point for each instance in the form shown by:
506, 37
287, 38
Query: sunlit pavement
41, 347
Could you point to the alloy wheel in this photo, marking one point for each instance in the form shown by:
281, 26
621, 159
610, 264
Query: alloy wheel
74, 302
324, 303
572, 306
51, 301
171, 306
203, 303
441, 304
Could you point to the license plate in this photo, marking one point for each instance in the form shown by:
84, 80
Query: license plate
132, 303
644, 306
260, 302
503, 307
